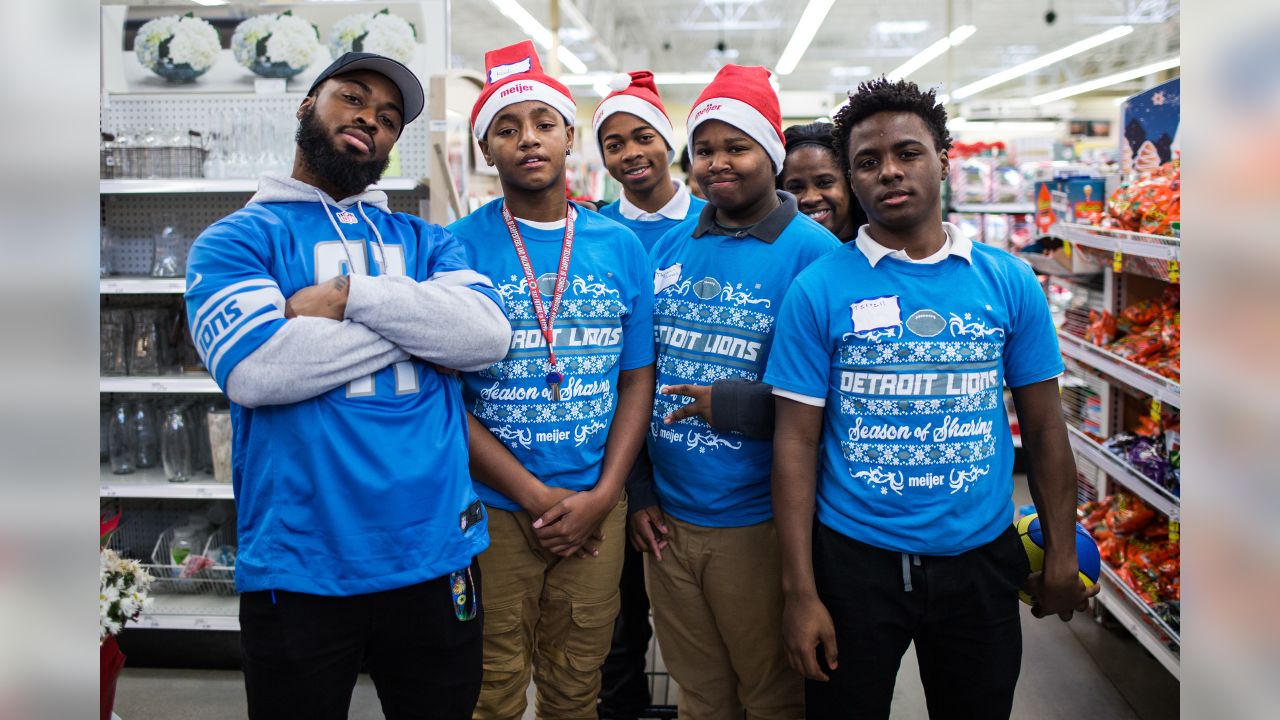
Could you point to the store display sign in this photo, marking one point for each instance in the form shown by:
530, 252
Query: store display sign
1089, 128
1150, 128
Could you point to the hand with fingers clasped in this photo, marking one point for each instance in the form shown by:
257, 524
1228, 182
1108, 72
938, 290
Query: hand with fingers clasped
648, 531
572, 524
1058, 590
701, 404
327, 300
807, 630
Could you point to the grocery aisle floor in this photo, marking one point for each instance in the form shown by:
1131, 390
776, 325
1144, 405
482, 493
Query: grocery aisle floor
1069, 671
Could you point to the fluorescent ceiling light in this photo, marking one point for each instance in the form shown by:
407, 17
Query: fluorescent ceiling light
933, 52
814, 13
538, 32
1107, 81
209, 3
660, 79
1046, 60
602, 89
900, 27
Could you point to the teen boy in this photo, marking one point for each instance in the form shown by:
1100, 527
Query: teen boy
556, 424
719, 281
889, 364
637, 143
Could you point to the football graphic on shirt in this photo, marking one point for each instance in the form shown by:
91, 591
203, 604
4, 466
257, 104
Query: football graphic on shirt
926, 323
547, 284
707, 288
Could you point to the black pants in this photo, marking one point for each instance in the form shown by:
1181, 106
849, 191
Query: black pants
624, 688
302, 653
961, 612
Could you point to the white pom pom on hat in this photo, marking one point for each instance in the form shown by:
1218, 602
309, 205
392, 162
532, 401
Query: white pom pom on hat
620, 82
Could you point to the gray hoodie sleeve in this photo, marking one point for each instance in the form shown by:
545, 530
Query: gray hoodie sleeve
440, 320
743, 406
307, 357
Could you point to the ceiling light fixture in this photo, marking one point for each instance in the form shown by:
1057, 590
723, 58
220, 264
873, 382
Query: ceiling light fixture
539, 32
933, 52
810, 20
1045, 60
660, 79
1107, 81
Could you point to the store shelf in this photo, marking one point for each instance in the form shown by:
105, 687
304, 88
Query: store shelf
1138, 618
1133, 375
1124, 473
1158, 247
141, 286
160, 186
152, 483
181, 383
191, 612
994, 208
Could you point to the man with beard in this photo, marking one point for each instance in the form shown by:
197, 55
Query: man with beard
358, 525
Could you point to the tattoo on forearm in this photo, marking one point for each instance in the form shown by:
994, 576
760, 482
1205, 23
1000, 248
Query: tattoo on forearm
340, 283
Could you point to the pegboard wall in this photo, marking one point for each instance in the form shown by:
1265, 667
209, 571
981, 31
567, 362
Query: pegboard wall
133, 221
202, 112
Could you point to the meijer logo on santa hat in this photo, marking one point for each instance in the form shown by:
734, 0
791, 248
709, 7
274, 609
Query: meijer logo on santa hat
515, 89
502, 71
709, 107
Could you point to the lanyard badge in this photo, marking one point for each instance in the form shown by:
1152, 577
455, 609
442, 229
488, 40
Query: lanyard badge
546, 319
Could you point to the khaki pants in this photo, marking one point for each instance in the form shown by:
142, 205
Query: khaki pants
546, 616
717, 611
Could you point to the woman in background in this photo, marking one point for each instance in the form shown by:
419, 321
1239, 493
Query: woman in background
812, 173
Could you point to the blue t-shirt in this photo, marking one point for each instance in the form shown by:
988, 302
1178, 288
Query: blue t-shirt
604, 325
359, 489
650, 230
716, 299
911, 360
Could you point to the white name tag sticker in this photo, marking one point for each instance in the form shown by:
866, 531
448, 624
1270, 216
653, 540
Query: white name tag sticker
665, 278
877, 313
504, 71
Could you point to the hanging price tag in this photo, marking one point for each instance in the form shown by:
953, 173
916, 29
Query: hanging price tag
1175, 273
1175, 525
1066, 248
1157, 409
1117, 261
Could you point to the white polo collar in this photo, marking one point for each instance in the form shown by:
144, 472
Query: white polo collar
675, 209
957, 244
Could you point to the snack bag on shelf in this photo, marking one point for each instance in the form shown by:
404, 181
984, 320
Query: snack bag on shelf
1102, 328
1139, 316
1129, 514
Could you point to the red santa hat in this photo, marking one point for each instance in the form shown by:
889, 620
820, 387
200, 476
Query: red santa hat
744, 97
514, 74
636, 94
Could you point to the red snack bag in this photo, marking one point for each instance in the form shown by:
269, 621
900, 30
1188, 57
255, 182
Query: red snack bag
1112, 550
1102, 328
1130, 514
1141, 314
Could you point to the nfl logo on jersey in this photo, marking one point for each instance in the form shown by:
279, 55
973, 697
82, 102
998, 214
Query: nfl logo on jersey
346, 217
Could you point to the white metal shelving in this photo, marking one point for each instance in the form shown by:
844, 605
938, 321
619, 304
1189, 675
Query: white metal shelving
192, 612
994, 208
1117, 368
160, 186
152, 483
1124, 473
1157, 247
1140, 620
195, 382
141, 286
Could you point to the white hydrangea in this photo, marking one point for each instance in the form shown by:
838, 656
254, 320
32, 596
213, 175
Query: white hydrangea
290, 40
194, 42
123, 588
382, 33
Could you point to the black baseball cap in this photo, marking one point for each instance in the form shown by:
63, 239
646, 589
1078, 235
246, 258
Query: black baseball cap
404, 79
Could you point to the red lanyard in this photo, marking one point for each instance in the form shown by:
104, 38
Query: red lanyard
546, 320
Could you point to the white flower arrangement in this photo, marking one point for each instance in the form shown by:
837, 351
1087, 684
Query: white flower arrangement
122, 592
381, 33
176, 48
275, 45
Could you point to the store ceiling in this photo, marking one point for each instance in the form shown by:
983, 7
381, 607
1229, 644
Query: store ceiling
859, 39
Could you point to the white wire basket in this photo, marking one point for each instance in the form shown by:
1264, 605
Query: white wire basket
216, 578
